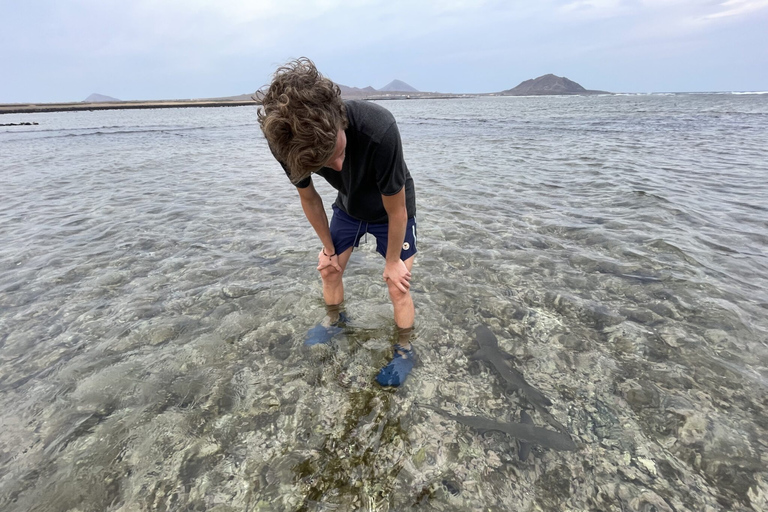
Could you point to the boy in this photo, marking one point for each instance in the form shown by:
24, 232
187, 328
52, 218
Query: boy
355, 146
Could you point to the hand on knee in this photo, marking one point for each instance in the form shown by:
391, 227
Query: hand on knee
396, 295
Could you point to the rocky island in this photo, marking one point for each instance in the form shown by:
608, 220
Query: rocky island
549, 85
398, 86
100, 98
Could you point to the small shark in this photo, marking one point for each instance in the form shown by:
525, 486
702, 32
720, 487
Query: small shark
490, 352
520, 431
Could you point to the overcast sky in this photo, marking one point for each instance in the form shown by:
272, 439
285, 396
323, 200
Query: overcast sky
64, 50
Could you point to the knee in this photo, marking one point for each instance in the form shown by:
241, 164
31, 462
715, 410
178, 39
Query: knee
396, 295
330, 275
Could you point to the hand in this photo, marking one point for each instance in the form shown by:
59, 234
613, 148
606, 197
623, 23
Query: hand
398, 274
324, 261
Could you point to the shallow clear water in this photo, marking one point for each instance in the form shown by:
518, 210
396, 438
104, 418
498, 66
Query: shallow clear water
157, 280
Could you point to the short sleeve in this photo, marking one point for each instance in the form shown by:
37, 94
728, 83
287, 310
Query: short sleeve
301, 184
389, 163
304, 183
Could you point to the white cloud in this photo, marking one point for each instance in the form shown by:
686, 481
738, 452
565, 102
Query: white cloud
678, 10
200, 29
738, 7
593, 8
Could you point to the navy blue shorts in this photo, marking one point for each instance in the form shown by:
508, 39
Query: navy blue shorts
347, 231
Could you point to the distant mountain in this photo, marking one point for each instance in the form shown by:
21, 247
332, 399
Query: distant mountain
397, 86
356, 92
239, 97
99, 98
549, 85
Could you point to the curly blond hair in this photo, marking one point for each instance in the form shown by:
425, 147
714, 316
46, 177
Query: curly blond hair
301, 113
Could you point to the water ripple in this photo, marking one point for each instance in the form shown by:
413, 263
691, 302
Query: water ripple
155, 291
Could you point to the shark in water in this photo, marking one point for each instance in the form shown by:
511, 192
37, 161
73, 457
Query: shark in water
524, 448
490, 352
524, 432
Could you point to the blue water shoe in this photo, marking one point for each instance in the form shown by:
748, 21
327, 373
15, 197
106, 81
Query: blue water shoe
397, 370
322, 333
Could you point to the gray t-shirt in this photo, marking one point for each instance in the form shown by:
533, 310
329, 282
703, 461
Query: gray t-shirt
373, 165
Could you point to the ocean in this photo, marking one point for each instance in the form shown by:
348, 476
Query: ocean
157, 281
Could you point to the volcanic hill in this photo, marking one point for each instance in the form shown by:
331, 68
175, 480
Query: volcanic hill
549, 85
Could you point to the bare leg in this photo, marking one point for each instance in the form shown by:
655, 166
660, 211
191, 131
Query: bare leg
404, 337
402, 302
396, 371
333, 285
332, 314
333, 293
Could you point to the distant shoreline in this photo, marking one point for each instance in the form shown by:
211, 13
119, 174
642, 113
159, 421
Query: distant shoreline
25, 108
28, 108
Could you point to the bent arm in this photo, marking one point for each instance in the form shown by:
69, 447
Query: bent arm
397, 217
395, 270
312, 204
